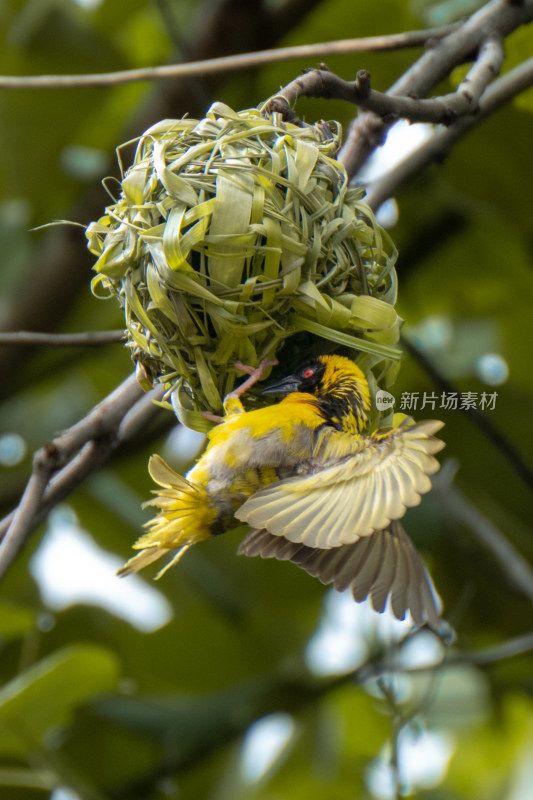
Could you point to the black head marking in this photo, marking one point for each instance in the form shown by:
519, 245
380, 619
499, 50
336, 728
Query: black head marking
309, 376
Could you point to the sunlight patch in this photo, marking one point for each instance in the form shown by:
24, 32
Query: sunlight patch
423, 758
12, 449
345, 633
402, 139
264, 743
64, 793
69, 567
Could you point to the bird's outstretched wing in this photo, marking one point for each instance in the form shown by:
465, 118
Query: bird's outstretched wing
381, 567
350, 496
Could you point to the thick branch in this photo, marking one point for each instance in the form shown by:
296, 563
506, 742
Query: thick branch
21, 523
437, 147
497, 18
64, 463
209, 66
484, 69
445, 109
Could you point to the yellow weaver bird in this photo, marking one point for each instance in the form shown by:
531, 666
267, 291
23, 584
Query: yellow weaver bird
316, 488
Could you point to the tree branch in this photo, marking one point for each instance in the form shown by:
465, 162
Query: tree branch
438, 146
86, 339
484, 69
497, 18
44, 463
445, 109
496, 653
64, 463
210, 66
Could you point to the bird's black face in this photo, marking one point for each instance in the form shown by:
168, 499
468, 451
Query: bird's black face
309, 376
305, 379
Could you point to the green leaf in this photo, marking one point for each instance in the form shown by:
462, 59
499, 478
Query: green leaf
15, 620
28, 778
354, 342
46, 695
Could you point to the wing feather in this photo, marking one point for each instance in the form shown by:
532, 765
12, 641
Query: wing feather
363, 581
303, 513
347, 564
400, 586
368, 517
430, 606
414, 601
347, 498
330, 566
382, 585
326, 534
393, 490
385, 566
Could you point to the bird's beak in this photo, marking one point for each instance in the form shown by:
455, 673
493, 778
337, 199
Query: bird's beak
285, 386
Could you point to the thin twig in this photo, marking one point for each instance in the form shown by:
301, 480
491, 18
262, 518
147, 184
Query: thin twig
444, 109
64, 463
398, 41
487, 65
86, 339
477, 417
499, 652
438, 146
485, 656
398, 723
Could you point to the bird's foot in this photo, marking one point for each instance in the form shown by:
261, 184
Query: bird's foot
255, 374
212, 417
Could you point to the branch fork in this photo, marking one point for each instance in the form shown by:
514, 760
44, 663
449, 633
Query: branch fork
443, 110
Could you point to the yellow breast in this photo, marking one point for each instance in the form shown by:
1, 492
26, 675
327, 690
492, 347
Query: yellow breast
280, 435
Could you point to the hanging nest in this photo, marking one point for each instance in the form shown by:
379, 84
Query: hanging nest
233, 233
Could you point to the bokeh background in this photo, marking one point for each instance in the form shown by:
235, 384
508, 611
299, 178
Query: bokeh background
232, 677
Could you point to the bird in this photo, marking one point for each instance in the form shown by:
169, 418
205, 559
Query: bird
316, 487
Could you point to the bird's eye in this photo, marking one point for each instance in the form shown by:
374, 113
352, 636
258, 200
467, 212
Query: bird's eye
309, 372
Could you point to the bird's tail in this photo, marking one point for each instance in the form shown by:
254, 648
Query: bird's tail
185, 517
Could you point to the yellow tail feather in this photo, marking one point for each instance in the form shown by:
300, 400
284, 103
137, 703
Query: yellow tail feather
141, 560
185, 517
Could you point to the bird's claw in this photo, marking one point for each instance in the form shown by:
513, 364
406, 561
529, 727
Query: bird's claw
212, 417
255, 374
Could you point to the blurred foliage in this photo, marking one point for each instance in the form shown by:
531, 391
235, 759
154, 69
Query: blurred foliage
87, 701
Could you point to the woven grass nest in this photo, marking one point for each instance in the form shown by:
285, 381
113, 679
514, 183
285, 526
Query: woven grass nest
233, 233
